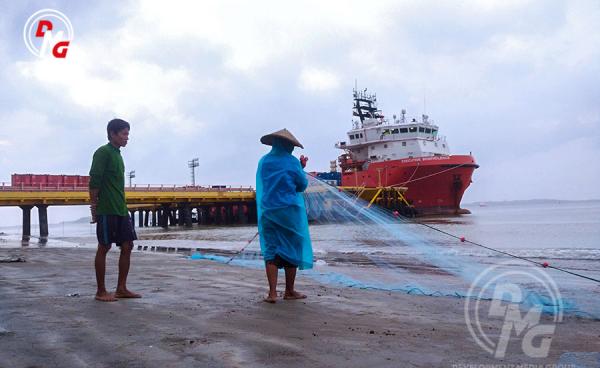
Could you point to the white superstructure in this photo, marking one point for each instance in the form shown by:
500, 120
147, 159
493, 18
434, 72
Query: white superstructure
374, 138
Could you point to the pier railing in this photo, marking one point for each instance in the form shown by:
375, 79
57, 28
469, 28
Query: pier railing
135, 188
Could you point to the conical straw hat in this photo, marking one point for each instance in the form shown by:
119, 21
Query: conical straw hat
283, 134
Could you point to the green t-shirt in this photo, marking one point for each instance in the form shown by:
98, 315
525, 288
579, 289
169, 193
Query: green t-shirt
108, 175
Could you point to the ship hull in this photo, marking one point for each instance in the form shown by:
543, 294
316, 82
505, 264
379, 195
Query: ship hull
435, 184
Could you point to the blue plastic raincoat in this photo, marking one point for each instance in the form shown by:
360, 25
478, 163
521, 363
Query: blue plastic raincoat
282, 220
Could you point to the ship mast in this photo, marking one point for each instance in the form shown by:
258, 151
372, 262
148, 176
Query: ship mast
365, 106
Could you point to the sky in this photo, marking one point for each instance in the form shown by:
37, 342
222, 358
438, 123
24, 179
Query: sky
516, 83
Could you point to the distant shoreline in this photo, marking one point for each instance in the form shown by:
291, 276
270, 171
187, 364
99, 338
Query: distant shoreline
81, 220
530, 201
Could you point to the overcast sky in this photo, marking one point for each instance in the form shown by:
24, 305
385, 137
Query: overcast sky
517, 83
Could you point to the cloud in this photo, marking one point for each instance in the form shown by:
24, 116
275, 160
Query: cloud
123, 86
30, 131
562, 171
315, 80
514, 82
274, 31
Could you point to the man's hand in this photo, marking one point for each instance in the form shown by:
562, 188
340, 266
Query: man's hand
93, 211
303, 160
93, 203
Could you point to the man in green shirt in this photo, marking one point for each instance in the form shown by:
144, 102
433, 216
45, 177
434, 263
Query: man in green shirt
109, 210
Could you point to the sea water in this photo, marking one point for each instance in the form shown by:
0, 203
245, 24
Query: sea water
381, 251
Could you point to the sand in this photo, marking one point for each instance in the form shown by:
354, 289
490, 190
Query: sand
206, 314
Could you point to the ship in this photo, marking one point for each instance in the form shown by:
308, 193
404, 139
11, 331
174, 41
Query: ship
403, 152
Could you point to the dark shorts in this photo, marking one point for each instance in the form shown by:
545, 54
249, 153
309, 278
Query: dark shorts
281, 263
114, 229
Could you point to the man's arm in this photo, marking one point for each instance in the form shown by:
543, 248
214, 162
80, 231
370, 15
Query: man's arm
96, 175
94, 203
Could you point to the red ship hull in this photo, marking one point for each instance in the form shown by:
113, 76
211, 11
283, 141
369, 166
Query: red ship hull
435, 184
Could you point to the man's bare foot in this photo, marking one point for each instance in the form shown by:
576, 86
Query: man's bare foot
124, 294
105, 297
270, 299
292, 295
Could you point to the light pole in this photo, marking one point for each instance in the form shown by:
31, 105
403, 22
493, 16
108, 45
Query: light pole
193, 164
131, 175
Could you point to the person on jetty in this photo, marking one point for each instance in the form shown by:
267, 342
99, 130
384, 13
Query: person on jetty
282, 221
109, 210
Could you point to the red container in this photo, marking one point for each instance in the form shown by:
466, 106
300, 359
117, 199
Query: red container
70, 180
53, 180
38, 180
48, 180
84, 181
21, 179
16, 180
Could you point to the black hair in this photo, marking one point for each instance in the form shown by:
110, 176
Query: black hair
115, 126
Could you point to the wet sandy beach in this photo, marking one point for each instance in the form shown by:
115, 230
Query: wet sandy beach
203, 313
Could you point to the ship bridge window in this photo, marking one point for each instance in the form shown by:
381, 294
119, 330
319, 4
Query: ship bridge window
361, 135
395, 131
404, 144
403, 130
351, 136
412, 129
427, 130
421, 130
434, 131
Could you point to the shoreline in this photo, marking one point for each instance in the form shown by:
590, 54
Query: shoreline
205, 313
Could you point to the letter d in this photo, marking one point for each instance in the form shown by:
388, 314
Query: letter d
40, 31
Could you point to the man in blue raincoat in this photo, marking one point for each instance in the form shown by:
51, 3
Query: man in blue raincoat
282, 221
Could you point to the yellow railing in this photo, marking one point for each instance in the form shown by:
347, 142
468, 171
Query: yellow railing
80, 196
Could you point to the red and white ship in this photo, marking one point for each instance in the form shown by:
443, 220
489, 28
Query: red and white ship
404, 153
